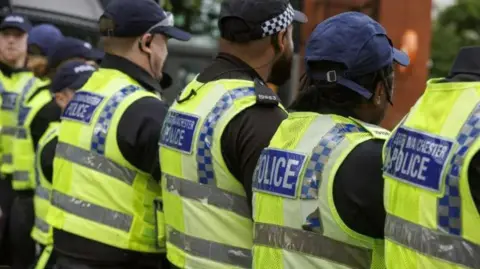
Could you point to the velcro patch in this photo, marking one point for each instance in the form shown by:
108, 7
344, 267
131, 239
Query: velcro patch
82, 107
278, 172
417, 158
178, 131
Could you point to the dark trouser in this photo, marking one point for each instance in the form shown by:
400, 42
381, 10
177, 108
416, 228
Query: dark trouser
6, 199
64, 262
45, 258
21, 223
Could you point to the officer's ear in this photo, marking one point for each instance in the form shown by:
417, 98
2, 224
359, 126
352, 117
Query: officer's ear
279, 41
145, 42
379, 95
282, 40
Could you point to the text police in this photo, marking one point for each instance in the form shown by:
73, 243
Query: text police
417, 158
278, 172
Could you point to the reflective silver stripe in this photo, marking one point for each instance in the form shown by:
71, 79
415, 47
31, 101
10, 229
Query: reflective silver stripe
92, 212
41, 225
21, 175
7, 158
95, 161
432, 243
209, 194
7, 130
42, 192
211, 250
313, 244
21, 133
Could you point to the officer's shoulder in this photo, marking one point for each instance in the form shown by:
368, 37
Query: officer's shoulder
375, 130
41, 91
265, 95
147, 106
148, 101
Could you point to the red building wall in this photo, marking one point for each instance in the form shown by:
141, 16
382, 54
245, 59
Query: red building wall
397, 16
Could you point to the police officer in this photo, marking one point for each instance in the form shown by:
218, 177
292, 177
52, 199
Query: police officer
106, 169
68, 78
36, 111
14, 79
318, 186
42, 110
431, 170
42, 40
216, 130
70, 49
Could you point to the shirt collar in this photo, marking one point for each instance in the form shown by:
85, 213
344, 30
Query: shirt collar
134, 71
238, 64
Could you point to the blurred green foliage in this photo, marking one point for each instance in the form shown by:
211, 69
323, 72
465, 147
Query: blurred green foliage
455, 27
196, 16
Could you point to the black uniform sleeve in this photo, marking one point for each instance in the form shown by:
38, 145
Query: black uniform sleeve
245, 137
358, 189
474, 179
46, 159
47, 114
138, 134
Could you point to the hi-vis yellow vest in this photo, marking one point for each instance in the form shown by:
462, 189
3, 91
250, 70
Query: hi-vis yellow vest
23, 148
97, 193
42, 232
432, 221
207, 216
16, 91
296, 222
4, 82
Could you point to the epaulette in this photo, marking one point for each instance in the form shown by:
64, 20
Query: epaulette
375, 130
265, 95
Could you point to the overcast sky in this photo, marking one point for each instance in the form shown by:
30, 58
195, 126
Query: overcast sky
442, 3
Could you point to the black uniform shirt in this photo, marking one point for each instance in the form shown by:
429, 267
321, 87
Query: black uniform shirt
46, 159
358, 189
138, 134
246, 135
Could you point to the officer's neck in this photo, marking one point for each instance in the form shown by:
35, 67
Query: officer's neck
142, 62
261, 64
262, 67
9, 67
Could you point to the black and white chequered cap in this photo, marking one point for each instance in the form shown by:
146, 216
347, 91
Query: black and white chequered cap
279, 23
247, 20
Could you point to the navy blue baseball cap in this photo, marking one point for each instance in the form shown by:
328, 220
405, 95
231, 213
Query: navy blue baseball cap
16, 21
70, 47
43, 37
256, 19
138, 17
355, 40
72, 75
